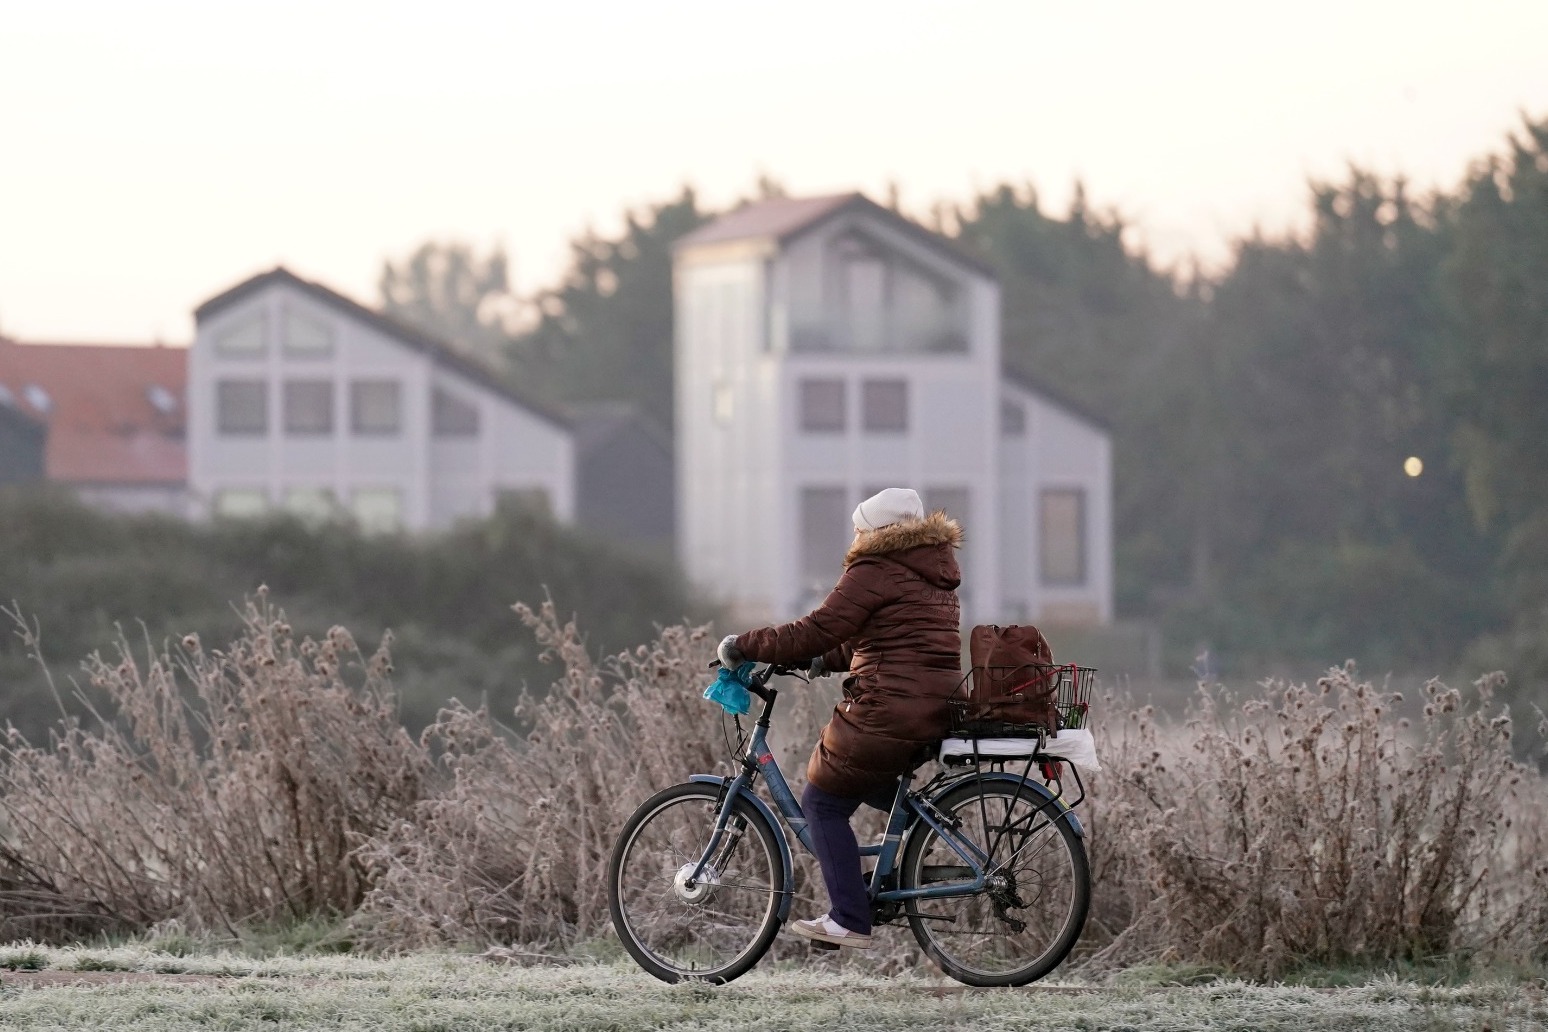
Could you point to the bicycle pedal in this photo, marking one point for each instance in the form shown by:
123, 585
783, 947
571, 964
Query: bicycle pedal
818, 944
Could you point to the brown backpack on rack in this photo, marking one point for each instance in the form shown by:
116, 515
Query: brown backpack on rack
1012, 680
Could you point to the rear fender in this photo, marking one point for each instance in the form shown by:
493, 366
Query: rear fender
1044, 796
787, 891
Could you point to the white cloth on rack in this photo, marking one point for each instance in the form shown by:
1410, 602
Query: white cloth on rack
1073, 744
1076, 745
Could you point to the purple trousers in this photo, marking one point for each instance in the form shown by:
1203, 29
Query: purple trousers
838, 852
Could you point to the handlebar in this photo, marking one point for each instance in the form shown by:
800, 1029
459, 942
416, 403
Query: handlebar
757, 681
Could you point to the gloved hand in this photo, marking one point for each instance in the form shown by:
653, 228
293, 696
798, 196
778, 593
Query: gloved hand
728, 654
816, 669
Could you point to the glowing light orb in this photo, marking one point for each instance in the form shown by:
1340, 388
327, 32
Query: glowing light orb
1413, 465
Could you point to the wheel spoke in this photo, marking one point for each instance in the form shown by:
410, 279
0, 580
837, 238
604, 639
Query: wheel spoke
1024, 923
726, 919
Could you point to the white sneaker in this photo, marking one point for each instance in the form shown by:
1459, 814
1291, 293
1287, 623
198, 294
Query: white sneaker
827, 930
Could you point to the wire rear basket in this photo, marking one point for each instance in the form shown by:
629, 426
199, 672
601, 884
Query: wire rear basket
1025, 701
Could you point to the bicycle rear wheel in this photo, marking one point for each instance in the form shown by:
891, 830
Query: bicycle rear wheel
1026, 922
717, 928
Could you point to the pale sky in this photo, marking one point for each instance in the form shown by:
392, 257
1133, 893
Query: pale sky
153, 153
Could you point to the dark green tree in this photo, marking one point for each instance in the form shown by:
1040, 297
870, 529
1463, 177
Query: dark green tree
1323, 371
1496, 357
605, 332
1495, 361
1093, 318
449, 291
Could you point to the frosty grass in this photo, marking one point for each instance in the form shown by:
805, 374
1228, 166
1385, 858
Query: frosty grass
432, 992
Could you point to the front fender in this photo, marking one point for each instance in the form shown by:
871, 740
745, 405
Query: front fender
1027, 785
787, 864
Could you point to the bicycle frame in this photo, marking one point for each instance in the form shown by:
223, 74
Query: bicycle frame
908, 812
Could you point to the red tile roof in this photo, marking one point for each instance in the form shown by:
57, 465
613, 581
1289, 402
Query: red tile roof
115, 415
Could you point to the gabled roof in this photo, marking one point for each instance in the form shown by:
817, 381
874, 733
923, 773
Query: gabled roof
441, 352
115, 414
782, 219
1056, 397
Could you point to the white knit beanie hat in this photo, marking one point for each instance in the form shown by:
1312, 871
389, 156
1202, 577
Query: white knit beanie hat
889, 506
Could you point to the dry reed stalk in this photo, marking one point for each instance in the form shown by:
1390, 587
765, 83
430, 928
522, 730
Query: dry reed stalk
514, 848
1317, 826
218, 787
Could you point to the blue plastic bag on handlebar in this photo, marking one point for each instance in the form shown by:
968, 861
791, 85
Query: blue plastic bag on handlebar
730, 689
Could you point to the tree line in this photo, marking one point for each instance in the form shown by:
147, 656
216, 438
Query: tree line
82, 578
1264, 416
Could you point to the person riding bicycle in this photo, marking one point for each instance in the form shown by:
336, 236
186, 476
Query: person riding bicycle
893, 623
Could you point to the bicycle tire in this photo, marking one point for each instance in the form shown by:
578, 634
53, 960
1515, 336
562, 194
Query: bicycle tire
1044, 859
655, 916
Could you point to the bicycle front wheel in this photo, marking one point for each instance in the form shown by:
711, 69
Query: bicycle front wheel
720, 925
1027, 920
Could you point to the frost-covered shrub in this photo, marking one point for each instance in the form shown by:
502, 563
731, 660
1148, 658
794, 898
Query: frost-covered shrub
217, 787
1318, 825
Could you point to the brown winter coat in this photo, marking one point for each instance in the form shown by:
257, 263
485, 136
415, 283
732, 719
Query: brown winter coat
893, 621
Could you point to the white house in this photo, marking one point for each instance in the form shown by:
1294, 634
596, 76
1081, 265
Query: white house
828, 347
300, 398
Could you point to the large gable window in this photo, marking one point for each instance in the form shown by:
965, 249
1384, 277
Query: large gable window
874, 297
243, 338
307, 337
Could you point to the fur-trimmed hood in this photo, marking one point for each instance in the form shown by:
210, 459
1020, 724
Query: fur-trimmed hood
893, 623
909, 542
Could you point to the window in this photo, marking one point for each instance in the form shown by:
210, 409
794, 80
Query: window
957, 503
822, 406
308, 407
865, 294
451, 416
38, 398
953, 500
884, 404
161, 399
243, 339
312, 504
1062, 537
524, 499
242, 406
1013, 418
872, 297
306, 337
375, 406
825, 534
378, 510
722, 403
240, 502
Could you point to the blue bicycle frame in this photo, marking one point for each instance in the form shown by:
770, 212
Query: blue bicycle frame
908, 812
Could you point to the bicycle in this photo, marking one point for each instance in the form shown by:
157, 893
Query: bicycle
701, 877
